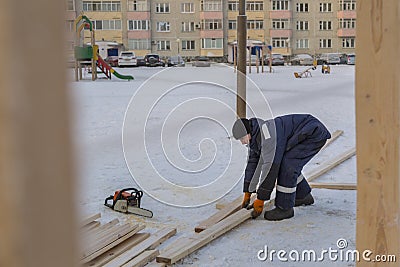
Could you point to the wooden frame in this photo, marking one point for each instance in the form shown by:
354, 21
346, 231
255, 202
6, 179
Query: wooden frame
377, 127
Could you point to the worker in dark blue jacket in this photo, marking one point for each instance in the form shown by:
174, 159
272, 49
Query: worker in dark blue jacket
278, 150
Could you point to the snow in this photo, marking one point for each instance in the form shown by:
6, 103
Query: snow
200, 154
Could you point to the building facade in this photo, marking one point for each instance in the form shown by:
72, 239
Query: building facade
206, 27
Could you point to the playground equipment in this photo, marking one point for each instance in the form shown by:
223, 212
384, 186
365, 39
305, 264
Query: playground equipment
326, 69
89, 53
307, 72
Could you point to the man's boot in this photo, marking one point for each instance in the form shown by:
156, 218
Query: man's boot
278, 214
307, 200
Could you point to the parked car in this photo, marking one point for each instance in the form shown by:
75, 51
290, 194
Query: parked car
141, 61
127, 58
302, 59
330, 58
176, 61
112, 61
351, 59
153, 60
277, 59
253, 60
202, 62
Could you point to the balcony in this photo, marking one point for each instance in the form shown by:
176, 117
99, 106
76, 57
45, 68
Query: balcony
346, 32
280, 33
280, 14
346, 14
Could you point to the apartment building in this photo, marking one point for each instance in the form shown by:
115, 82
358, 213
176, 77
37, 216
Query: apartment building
206, 27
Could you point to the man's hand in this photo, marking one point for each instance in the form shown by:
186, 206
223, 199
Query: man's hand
246, 199
257, 207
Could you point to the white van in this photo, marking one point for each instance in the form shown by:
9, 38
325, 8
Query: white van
127, 58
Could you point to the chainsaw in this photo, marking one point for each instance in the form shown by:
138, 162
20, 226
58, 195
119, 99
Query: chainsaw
128, 201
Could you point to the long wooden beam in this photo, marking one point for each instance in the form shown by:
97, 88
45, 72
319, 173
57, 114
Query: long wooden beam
117, 250
235, 205
378, 128
335, 186
196, 241
153, 241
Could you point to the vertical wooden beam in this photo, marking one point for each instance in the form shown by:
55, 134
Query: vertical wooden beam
36, 174
377, 125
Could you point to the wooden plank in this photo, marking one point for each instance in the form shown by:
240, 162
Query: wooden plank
143, 258
327, 166
236, 204
118, 250
377, 127
335, 135
90, 226
90, 219
336, 186
197, 241
112, 244
153, 240
37, 175
156, 264
91, 234
117, 232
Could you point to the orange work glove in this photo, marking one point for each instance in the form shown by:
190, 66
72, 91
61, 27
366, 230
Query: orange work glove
246, 199
257, 207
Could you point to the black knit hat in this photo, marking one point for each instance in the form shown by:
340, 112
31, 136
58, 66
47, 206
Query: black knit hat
240, 128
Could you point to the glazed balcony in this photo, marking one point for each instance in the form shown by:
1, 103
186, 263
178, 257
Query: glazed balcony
346, 14
280, 33
280, 14
346, 32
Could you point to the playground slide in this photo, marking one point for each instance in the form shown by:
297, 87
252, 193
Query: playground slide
107, 70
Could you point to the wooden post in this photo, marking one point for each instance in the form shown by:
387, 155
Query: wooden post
241, 74
262, 59
235, 58
250, 59
258, 60
37, 224
377, 126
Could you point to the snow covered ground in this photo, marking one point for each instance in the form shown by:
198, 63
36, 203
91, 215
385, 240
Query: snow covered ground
203, 153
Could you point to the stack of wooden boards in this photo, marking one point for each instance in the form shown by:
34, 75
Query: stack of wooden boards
231, 215
119, 244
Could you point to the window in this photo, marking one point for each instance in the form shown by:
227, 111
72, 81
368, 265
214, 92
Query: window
139, 44
280, 5
302, 7
233, 5
280, 42
254, 5
105, 6
347, 5
107, 24
232, 25
188, 45
348, 42
255, 24
188, 26
211, 5
138, 5
325, 7
162, 8
211, 43
302, 43
138, 25
70, 5
212, 24
347, 23
302, 26
280, 24
164, 45
187, 8
325, 25
163, 26
325, 43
